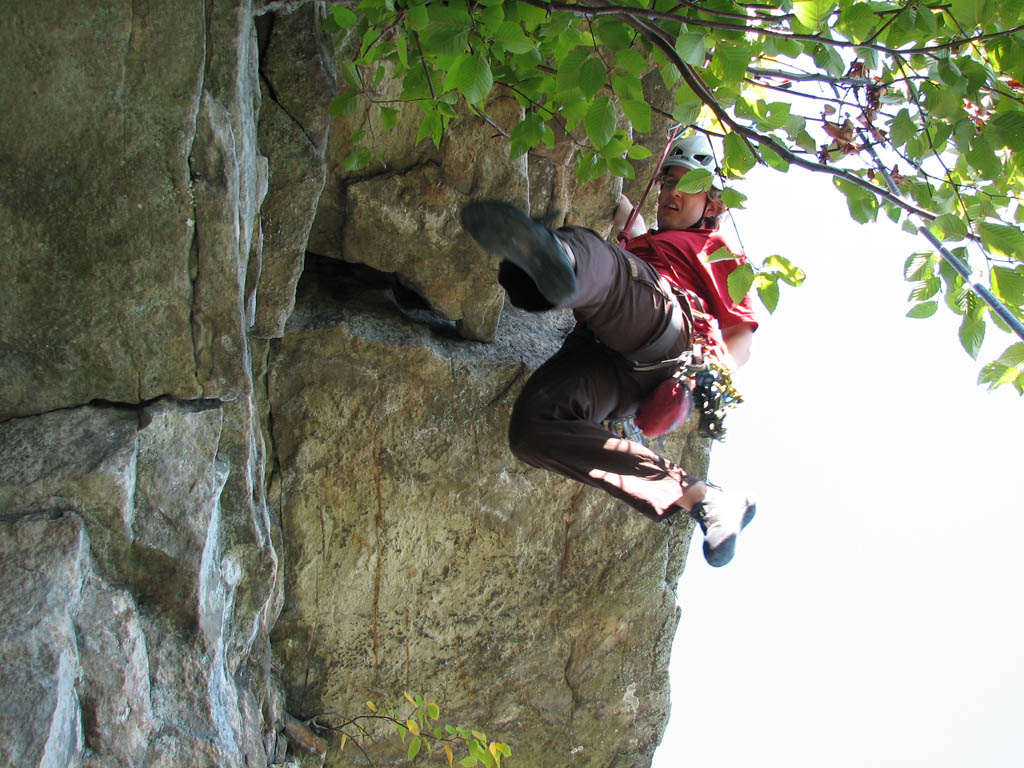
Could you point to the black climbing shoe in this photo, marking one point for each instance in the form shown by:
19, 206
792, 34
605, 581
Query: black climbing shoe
722, 515
507, 232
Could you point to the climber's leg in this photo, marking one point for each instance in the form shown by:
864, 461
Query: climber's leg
540, 263
556, 425
619, 296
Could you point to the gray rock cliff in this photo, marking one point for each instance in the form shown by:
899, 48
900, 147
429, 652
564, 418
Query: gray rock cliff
252, 419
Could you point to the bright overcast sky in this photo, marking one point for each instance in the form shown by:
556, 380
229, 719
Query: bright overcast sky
872, 616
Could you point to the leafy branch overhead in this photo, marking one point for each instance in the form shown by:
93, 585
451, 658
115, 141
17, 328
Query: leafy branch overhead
915, 108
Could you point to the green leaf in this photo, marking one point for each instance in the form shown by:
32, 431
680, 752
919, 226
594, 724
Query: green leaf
358, 160
446, 37
344, 17
972, 334
416, 18
433, 711
691, 49
971, 13
619, 166
509, 36
574, 110
786, 269
592, 77
719, 254
1002, 239
949, 227
738, 157
768, 293
468, 762
772, 158
531, 16
925, 289
431, 127
772, 117
812, 13
1013, 355
638, 113
857, 21
730, 61
733, 198
687, 112
919, 266
902, 128
638, 152
1008, 284
863, 204
414, 749
628, 87
528, 134
828, 58
471, 76
613, 33
1009, 129
344, 103
740, 280
631, 61
926, 309
388, 118
600, 122
695, 180
569, 69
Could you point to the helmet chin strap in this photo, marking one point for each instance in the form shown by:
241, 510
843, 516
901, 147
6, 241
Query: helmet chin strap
706, 222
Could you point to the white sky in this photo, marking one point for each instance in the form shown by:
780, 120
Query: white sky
872, 617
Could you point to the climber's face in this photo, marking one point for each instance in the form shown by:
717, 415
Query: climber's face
676, 209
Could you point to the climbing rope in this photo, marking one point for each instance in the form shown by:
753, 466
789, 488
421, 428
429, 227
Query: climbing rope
672, 132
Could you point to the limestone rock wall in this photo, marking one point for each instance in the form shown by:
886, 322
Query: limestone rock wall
132, 469
418, 557
220, 503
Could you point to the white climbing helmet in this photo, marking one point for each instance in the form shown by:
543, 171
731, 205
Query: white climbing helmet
694, 152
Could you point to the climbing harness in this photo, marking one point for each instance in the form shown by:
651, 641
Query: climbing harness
712, 390
712, 393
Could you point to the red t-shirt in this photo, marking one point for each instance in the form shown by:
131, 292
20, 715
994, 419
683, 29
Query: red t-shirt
680, 256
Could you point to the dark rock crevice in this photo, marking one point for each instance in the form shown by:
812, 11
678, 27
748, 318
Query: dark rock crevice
330, 290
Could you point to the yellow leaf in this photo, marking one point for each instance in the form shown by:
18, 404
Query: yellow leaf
413, 727
344, 741
449, 755
410, 699
369, 706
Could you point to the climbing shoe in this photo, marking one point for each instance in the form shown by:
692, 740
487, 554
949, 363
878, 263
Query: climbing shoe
722, 515
531, 248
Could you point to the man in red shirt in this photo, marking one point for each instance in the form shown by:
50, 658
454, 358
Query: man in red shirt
635, 315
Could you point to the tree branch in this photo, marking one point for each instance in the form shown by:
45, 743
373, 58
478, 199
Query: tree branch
582, 9
751, 136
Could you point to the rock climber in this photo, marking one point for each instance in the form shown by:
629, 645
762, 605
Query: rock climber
639, 309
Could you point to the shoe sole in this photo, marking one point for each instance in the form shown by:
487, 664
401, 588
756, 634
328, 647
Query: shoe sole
727, 549
505, 231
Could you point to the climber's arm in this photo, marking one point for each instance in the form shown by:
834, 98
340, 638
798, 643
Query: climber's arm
738, 340
622, 211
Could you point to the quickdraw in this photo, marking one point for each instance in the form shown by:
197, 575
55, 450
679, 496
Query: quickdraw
713, 393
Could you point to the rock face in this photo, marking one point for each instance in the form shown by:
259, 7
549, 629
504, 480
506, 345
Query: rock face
419, 557
221, 505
